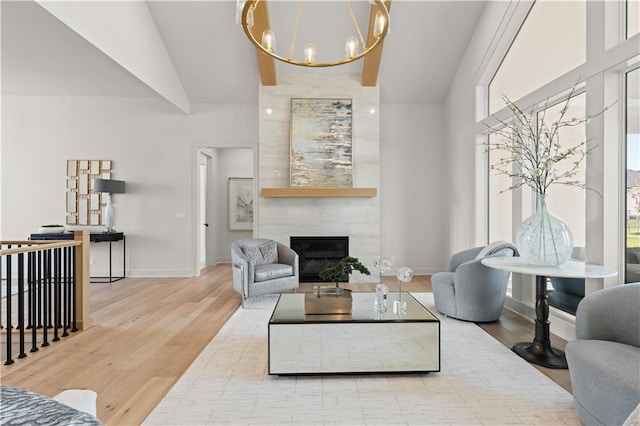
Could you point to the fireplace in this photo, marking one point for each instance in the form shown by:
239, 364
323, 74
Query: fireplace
317, 253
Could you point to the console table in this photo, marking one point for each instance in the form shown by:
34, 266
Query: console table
540, 351
95, 237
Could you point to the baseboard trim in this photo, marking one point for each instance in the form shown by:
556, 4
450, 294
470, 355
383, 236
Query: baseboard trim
150, 274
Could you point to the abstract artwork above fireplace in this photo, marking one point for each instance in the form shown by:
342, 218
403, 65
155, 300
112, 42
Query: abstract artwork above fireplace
321, 143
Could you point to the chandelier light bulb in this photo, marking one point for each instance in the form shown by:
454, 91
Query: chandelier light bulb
310, 53
250, 18
269, 40
351, 47
378, 25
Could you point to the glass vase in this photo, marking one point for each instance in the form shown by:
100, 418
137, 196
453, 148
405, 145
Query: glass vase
543, 239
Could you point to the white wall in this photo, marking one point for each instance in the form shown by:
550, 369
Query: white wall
152, 148
460, 119
412, 189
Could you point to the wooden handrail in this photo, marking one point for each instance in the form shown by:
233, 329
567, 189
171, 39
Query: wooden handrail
36, 246
81, 239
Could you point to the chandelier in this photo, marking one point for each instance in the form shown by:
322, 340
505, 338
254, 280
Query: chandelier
354, 49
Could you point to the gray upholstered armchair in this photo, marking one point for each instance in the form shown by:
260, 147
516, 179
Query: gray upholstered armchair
262, 266
469, 290
604, 360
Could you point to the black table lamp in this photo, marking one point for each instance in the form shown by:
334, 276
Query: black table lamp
108, 186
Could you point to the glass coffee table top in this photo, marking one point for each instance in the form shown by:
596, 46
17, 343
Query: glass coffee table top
290, 310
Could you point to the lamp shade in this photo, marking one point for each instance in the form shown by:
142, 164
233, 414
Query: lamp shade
111, 186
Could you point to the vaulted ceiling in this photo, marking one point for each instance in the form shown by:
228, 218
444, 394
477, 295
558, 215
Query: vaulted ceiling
216, 63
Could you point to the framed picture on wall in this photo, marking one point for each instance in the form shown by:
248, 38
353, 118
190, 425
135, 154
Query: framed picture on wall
240, 200
321, 143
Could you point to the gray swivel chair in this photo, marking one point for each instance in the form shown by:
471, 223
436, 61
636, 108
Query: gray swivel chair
469, 290
604, 360
262, 266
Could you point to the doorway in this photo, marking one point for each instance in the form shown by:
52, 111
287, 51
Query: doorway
212, 236
204, 201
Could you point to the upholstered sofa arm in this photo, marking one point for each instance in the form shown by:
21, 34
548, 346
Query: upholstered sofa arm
242, 269
472, 272
461, 257
287, 256
611, 314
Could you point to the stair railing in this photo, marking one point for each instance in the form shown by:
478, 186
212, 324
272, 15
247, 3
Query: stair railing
46, 292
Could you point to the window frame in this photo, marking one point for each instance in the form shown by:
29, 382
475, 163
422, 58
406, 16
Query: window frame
608, 53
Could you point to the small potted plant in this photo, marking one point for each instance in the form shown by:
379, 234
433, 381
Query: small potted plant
334, 300
340, 271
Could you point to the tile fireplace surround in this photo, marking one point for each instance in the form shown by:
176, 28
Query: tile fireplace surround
358, 217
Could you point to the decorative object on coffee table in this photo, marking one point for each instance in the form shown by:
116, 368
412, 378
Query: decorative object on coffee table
380, 301
340, 271
328, 301
405, 274
334, 300
382, 264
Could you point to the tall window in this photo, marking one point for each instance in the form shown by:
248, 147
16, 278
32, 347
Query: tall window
633, 17
551, 42
500, 198
632, 254
568, 202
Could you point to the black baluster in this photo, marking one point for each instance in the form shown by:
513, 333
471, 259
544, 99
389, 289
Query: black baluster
56, 294
74, 290
32, 303
39, 289
65, 286
22, 353
9, 326
29, 287
45, 296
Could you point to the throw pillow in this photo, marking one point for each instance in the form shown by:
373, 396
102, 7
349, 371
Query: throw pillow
253, 254
269, 252
261, 255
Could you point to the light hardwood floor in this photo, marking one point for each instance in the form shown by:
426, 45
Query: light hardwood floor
148, 331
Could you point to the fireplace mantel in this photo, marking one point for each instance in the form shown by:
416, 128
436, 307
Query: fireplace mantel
318, 192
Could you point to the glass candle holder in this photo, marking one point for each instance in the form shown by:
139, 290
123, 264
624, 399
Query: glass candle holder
380, 301
405, 274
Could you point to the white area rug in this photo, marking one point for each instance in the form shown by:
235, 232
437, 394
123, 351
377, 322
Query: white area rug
481, 382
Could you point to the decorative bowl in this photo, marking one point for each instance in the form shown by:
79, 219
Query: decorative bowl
51, 229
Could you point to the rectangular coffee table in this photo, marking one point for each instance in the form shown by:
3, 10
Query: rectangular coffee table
361, 342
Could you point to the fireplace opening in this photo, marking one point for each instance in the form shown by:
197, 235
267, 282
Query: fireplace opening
317, 253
